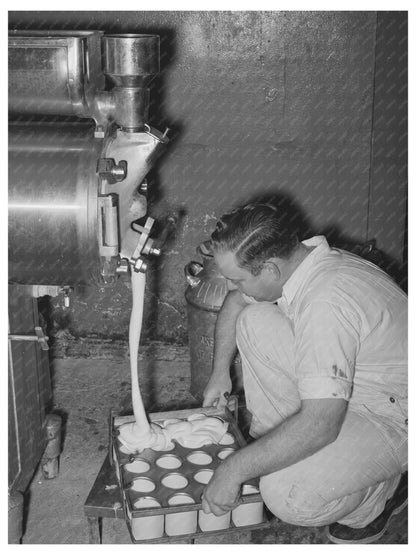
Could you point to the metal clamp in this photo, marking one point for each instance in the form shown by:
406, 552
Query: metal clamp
40, 337
136, 246
144, 245
161, 137
133, 251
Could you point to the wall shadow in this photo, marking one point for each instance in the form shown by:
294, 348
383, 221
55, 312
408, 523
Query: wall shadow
335, 236
369, 250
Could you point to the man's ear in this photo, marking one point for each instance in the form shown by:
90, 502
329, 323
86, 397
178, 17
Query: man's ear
272, 266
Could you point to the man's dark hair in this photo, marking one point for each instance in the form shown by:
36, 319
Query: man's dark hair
255, 232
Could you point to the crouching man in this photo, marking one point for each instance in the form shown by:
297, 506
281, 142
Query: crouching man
322, 336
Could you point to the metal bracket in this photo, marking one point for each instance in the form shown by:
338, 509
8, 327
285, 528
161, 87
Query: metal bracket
134, 249
161, 137
42, 290
143, 245
40, 337
112, 172
137, 246
108, 228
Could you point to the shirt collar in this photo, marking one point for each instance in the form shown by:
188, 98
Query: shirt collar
298, 277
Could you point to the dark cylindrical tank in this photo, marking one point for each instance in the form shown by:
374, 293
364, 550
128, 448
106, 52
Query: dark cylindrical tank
205, 294
53, 190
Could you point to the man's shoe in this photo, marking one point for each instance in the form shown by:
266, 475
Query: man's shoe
338, 533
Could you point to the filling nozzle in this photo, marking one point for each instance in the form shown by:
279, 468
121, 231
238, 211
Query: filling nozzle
141, 244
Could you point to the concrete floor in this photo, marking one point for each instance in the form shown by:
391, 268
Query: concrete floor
84, 392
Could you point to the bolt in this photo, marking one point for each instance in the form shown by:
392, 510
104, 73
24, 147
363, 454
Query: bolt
99, 132
143, 188
155, 251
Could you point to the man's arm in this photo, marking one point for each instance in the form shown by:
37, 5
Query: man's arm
224, 349
316, 425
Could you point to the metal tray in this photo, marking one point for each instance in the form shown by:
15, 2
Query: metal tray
187, 469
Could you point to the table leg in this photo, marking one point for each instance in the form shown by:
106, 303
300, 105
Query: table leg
94, 529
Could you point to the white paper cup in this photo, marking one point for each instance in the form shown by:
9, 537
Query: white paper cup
248, 489
137, 466
211, 522
147, 527
225, 453
181, 523
248, 513
208, 522
203, 476
144, 485
175, 481
227, 439
199, 457
169, 461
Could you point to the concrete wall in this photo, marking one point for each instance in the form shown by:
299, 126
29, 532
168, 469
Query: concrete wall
388, 169
259, 103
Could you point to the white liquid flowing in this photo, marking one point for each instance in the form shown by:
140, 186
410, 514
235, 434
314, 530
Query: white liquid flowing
139, 435
138, 282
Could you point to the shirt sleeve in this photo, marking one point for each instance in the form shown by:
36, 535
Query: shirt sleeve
326, 346
248, 299
252, 300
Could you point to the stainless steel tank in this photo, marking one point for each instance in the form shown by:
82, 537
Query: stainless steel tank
53, 197
78, 154
54, 72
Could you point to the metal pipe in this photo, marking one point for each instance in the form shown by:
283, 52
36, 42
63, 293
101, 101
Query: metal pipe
131, 62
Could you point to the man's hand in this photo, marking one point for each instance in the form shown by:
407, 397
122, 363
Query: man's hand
214, 393
223, 491
224, 350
